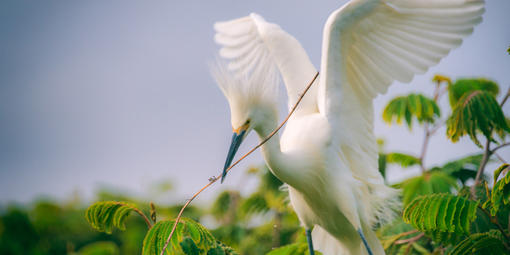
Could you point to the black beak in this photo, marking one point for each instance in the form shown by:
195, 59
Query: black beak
237, 139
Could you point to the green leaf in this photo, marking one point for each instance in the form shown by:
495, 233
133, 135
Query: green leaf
292, 249
103, 216
463, 168
481, 243
476, 112
498, 171
382, 162
463, 87
429, 183
405, 108
402, 159
100, 248
256, 203
223, 203
189, 238
501, 190
441, 213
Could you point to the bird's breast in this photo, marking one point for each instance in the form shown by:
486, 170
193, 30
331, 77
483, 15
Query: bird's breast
308, 134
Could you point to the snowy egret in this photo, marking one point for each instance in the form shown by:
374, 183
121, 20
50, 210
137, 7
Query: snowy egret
327, 153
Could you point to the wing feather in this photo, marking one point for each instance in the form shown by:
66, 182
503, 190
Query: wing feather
250, 43
369, 44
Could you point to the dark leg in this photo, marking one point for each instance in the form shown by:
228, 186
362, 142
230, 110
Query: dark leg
365, 241
310, 243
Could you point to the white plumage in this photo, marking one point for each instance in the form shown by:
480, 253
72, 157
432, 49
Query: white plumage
327, 153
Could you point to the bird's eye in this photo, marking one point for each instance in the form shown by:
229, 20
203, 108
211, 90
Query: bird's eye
247, 122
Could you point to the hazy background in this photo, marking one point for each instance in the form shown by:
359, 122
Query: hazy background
118, 93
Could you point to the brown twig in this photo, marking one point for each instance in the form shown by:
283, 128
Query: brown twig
147, 221
499, 147
214, 179
410, 240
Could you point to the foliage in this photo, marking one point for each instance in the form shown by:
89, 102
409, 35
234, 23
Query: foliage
501, 192
481, 243
464, 168
402, 159
429, 183
100, 248
475, 112
447, 216
103, 216
463, 87
441, 213
190, 238
413, 105
292, 249
442, 216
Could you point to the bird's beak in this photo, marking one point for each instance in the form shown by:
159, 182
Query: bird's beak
237, 139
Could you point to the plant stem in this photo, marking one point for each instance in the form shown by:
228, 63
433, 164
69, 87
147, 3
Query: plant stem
216, 178
494, 220
410, 240
424, 149
481, 168
499, 147
147, 221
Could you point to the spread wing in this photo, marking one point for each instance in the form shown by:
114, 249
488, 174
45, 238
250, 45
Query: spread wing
251, 43
369, 44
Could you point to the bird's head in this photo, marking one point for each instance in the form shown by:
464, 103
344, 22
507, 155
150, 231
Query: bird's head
253, 102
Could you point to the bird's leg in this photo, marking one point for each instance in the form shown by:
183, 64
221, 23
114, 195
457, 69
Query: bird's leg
365, 241
309, 239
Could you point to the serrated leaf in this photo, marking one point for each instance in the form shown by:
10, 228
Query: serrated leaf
463, 87
463, 168
501, 191
476, 112
429, 183
189, 238
105, 215
481, 243
406, 108
454, 213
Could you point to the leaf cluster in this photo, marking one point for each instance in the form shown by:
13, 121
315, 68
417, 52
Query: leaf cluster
405, 108
190, 238
103, 216
475, 112
441, 213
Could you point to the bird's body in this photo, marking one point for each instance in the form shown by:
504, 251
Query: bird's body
327, 153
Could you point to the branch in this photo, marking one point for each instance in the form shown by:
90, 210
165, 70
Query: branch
410, 240
505, 98
147, 221
499, 147
500, 159
214, 179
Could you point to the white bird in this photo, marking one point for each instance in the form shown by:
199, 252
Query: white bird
327, 153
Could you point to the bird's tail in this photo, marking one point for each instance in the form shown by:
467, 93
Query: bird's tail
382, 203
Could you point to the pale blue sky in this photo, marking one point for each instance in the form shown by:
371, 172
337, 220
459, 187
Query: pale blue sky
118, 93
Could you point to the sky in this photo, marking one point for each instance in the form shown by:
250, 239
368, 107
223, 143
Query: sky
118, 93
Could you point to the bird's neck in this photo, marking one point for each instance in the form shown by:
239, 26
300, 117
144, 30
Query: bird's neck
274, 157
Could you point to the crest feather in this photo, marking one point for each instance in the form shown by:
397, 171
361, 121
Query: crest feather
259, 86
